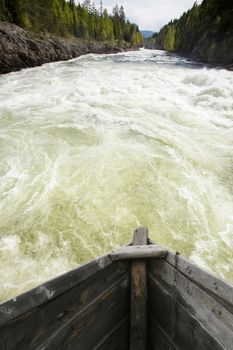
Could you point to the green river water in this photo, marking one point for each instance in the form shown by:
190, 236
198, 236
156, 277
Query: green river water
94, 147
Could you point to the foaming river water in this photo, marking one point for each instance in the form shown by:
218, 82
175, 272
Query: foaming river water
94, 147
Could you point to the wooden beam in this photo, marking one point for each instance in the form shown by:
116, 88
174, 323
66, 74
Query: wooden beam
138, 252
138, 332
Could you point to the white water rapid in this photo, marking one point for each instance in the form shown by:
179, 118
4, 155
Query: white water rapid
94, 147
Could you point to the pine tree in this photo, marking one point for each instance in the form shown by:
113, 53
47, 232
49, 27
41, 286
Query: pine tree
116, 11
122, 15
87, 5
101, 12
93, 10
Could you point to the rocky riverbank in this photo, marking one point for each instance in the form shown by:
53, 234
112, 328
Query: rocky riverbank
21, 49
212, 48
204, 33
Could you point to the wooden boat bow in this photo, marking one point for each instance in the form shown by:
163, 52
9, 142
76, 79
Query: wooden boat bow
124, 300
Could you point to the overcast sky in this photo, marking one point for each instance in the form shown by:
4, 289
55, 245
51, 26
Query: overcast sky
151, 14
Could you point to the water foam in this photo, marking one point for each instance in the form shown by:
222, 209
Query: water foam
93, 147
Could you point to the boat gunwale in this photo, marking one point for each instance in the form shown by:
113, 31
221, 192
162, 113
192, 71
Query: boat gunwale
221, 290
49, 290
203, 278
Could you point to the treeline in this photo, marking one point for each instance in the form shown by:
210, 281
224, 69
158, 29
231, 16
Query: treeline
66, 18
204, 26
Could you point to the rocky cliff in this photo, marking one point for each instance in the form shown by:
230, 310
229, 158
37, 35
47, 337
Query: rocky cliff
21, 49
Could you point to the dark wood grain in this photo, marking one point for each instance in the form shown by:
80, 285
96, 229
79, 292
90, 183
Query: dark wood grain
88, 328
189, 332
118, 338
221, 290
29, 330
158, 338
201, 307
50, 290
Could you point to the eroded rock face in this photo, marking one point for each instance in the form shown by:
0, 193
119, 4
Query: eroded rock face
20, 49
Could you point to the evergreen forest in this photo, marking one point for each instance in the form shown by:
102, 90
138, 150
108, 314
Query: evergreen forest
70, 19
211, 22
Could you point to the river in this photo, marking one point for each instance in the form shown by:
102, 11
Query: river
96, 146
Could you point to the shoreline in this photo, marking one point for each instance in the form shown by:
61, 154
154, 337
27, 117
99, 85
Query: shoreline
195, 58
20, 49
198, 61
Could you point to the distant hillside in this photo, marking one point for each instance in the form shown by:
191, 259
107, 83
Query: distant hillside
205, 32
146, 33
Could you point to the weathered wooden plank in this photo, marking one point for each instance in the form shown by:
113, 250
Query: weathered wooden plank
50, 290
158, 338
117, 339
41, 323
212, 315
189, 332
138, 252
87, 328
138, 333
221, 290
